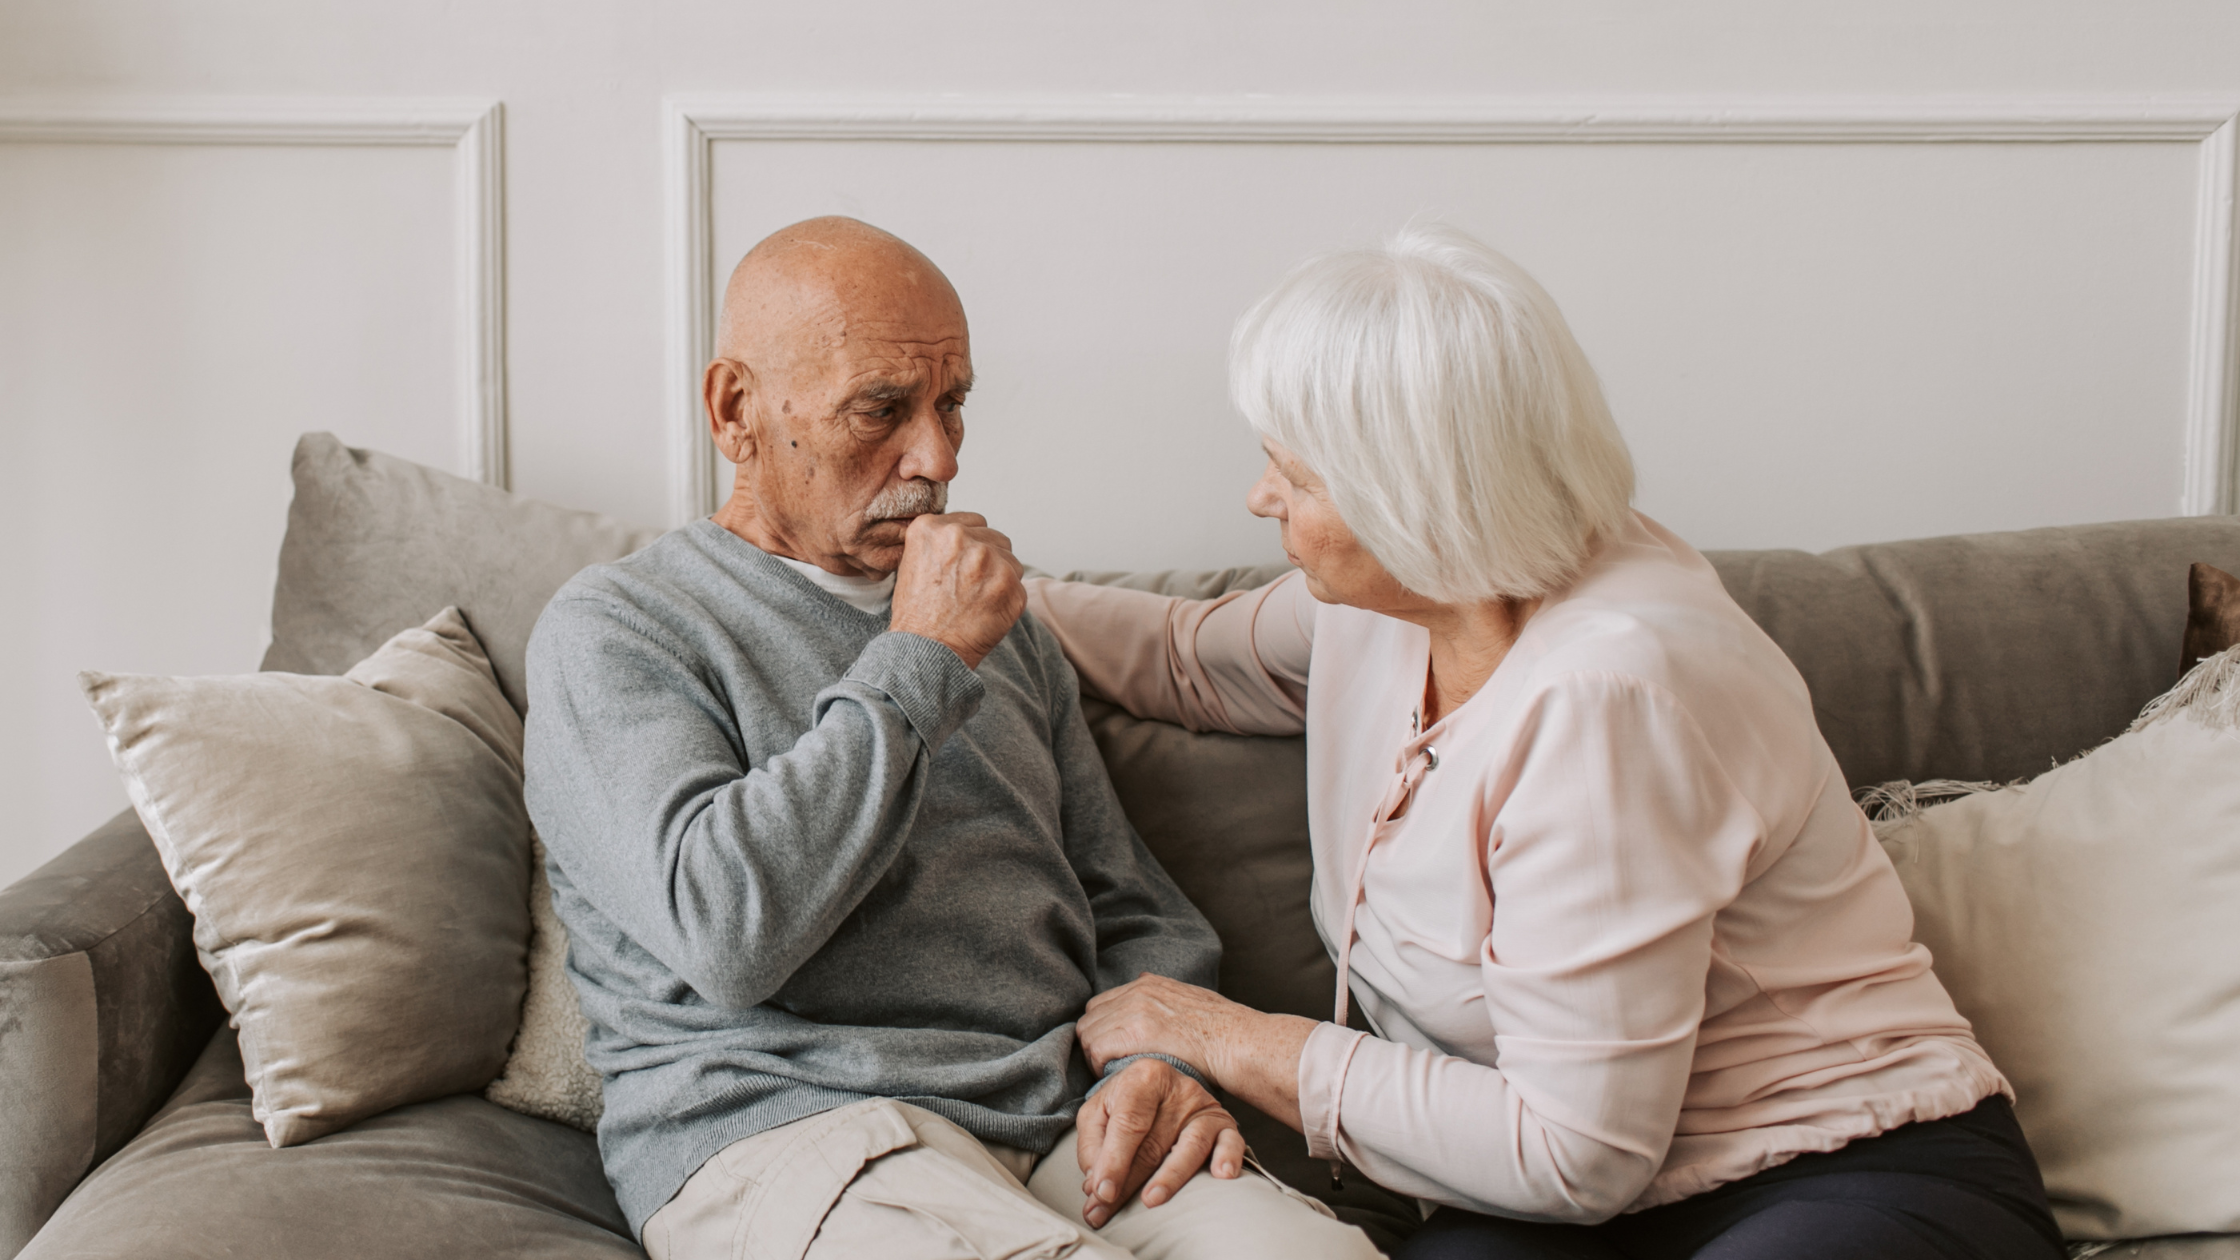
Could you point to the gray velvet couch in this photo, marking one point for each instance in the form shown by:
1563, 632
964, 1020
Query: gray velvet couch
124, 1122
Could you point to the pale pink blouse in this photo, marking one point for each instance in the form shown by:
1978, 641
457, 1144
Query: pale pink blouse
1621, 928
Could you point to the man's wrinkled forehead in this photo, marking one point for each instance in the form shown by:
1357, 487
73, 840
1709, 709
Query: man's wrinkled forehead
901, 376
885, 359
826, 336
926, 333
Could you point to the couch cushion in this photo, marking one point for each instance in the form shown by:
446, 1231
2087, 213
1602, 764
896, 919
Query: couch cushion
454, 1177
376, 545
1975, 656
1981, 656
1226, 816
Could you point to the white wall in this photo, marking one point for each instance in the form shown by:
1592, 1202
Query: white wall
1807, 343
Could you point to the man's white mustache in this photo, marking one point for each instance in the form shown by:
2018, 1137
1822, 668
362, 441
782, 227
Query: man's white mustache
911, 498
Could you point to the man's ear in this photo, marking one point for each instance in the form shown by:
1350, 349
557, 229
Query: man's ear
727, 392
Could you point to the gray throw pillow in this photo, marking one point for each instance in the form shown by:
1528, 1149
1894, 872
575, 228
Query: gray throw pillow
377, 543
355, 854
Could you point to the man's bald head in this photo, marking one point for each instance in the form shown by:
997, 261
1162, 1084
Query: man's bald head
796, 291
842, 360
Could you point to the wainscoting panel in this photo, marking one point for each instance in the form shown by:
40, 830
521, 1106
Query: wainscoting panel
1818, 323
182, 292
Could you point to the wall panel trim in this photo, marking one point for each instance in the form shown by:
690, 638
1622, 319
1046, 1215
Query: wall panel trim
2212, 481
692, 124
471, 129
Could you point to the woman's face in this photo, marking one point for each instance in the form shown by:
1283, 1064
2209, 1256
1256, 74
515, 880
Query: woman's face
1338, 568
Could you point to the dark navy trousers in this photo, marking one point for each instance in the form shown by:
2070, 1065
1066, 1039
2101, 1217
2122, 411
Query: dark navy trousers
1961, 1188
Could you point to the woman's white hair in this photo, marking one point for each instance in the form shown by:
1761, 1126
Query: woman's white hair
1437, 391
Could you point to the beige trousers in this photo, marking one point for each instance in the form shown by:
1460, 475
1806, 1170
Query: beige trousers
888, 1180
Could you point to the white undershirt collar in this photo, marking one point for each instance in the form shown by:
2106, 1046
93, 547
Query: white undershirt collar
871, 595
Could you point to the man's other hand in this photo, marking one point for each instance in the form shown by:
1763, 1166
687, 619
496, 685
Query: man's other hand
1151, 1128
958, 585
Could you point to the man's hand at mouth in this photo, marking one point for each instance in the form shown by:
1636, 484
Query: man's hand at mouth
1151, 1128
958, 585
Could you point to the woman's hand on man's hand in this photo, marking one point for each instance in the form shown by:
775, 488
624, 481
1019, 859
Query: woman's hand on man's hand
1151, 1128
1155, 1015
1251, 1054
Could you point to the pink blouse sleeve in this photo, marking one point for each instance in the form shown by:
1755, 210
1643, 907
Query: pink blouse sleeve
1237, 663
1619, 836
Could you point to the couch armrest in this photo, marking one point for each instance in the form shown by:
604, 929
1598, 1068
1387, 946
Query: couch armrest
103, 1007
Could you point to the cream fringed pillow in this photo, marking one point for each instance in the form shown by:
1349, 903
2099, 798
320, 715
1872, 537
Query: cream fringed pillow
2088, 924
356, 856
546, 1075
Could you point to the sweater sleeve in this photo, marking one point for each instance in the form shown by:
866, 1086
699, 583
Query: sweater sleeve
1143, 921
731, 875
1237, 663
1616, 839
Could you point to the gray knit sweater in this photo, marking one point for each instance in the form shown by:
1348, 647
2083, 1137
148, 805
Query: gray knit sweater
804, 860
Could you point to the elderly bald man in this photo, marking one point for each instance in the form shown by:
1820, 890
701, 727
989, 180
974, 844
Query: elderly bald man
838, 859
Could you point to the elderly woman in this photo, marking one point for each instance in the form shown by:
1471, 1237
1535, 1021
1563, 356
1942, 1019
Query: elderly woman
1640, 978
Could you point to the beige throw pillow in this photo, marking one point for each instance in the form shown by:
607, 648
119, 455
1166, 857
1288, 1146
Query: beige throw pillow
2088, 924
355, 853
546, 1074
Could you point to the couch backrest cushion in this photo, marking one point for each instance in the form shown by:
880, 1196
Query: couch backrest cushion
1981, 656
377, 545
1226, 815
1974, 656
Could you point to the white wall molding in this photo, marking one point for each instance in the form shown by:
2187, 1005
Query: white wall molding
688, 127
2212, 481
692, 125
471, 129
